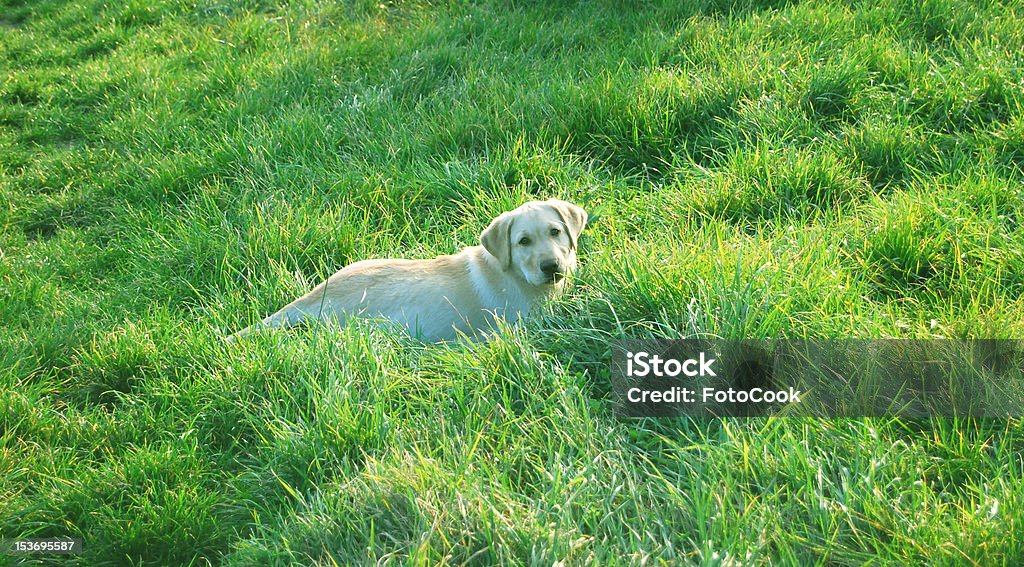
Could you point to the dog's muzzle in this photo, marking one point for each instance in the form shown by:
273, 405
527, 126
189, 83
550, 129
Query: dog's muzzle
552, 270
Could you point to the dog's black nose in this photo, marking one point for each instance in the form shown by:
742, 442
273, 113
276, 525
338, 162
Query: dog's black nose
550, 267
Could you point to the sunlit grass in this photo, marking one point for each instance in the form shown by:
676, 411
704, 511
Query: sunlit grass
172, 171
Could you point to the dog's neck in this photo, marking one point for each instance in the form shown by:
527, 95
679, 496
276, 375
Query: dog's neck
518, 297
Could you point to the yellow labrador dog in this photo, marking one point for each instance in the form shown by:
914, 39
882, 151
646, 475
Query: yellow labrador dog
524, 258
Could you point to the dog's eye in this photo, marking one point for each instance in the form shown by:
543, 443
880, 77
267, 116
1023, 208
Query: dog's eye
555, 232
524, 241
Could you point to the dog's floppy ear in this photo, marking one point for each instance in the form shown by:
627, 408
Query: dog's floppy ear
497, 239
574, 218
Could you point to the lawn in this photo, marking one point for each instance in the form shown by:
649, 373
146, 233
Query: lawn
171, 171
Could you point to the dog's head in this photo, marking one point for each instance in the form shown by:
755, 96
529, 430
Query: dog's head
537, 241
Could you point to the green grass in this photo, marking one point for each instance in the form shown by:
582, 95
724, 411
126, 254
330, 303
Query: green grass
171, 171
